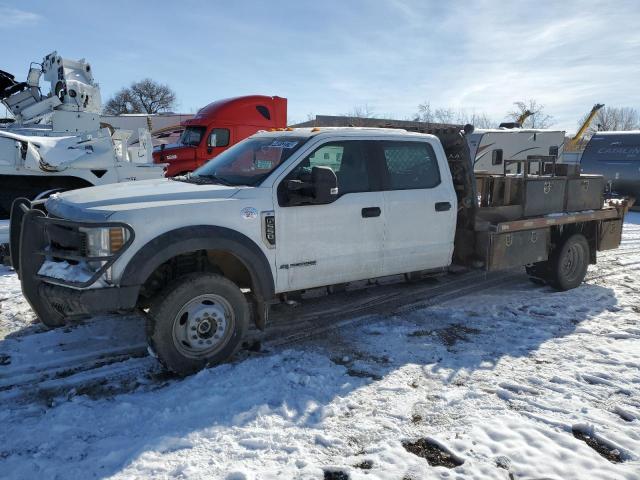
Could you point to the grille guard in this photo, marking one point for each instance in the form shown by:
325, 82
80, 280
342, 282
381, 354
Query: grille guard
30, 236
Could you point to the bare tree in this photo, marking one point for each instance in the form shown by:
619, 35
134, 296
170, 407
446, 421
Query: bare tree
358, 112
451, 116
424, 113
612, 118
538, 119
145, 96
478, 120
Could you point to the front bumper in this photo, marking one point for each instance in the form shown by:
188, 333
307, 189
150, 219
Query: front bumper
36, 238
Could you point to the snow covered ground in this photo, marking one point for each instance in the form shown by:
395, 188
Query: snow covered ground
515, 381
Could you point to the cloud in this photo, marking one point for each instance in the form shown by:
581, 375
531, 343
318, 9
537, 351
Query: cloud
12, 17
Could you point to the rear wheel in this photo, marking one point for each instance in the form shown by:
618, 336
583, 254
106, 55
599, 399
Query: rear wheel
569, 263
199, 320
567, 266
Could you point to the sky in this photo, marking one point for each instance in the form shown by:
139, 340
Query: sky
330, 56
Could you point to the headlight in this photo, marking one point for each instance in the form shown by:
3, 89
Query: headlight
104, 241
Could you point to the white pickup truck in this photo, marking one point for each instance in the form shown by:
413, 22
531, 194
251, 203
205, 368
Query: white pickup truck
284, 211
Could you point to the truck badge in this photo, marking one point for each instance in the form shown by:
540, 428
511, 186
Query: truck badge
249, 213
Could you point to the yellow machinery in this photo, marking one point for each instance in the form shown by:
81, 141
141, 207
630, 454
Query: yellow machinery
573, 143
526, 114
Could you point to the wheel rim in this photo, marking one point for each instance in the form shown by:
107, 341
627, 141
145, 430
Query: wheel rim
203, 326
572, 262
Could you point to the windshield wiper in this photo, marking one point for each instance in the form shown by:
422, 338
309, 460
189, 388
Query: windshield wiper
214, 178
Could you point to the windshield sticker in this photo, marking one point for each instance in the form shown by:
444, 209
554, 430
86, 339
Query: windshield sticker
282, 144
263, 164
249, 213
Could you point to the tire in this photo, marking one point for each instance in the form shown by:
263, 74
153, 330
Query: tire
568, 264
50, 317
199, 320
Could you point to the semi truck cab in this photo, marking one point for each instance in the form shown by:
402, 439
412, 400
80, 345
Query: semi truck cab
217, 127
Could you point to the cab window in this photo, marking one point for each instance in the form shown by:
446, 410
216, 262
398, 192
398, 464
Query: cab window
219, 137
411, 165
346, 159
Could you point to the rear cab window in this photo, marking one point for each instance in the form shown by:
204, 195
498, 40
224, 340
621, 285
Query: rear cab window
410, 165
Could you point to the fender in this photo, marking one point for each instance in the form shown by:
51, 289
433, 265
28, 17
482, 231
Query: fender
201, 237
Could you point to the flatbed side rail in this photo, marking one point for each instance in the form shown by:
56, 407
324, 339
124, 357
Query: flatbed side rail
607, 213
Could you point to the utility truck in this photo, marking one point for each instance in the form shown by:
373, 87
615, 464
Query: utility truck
206, 254
55, 141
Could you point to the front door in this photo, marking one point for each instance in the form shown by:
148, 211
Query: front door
337, 242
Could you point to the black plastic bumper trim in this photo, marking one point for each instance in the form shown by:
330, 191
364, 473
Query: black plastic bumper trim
70, 302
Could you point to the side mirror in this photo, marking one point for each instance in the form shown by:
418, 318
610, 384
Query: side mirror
325, 184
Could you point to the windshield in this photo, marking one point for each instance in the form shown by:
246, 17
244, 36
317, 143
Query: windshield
192, 136
250, 161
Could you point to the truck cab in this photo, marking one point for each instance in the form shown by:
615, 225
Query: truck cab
218, 126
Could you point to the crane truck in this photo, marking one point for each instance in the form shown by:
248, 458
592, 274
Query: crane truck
55, 141
205, 254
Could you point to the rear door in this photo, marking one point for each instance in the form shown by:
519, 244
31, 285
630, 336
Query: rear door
333, 243
420, 206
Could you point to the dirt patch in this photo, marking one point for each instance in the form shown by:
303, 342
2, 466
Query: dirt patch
449, 335
603, 449
364, 465
352, 372
454, 333
435, 454
420, 333
335, 475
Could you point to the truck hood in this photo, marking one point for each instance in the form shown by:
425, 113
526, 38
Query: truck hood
99, 203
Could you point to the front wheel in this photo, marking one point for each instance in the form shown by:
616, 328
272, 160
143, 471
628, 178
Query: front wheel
199, 320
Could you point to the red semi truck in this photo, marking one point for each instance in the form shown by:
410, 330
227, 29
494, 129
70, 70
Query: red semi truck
218, 126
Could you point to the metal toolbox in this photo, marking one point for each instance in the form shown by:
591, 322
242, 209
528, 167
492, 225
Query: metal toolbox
585, 192
543, 195
505, 250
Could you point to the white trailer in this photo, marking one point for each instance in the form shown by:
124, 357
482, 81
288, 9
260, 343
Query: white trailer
490, 148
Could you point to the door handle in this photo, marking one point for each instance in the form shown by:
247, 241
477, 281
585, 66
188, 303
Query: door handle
369, 212
443, 206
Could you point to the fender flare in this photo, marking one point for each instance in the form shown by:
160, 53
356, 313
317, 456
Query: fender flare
201, 237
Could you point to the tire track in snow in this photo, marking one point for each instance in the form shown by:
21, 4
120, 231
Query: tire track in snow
113, 371
128, 367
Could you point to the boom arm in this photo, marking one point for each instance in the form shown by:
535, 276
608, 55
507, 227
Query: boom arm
72, 90
526, 114
574, 141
